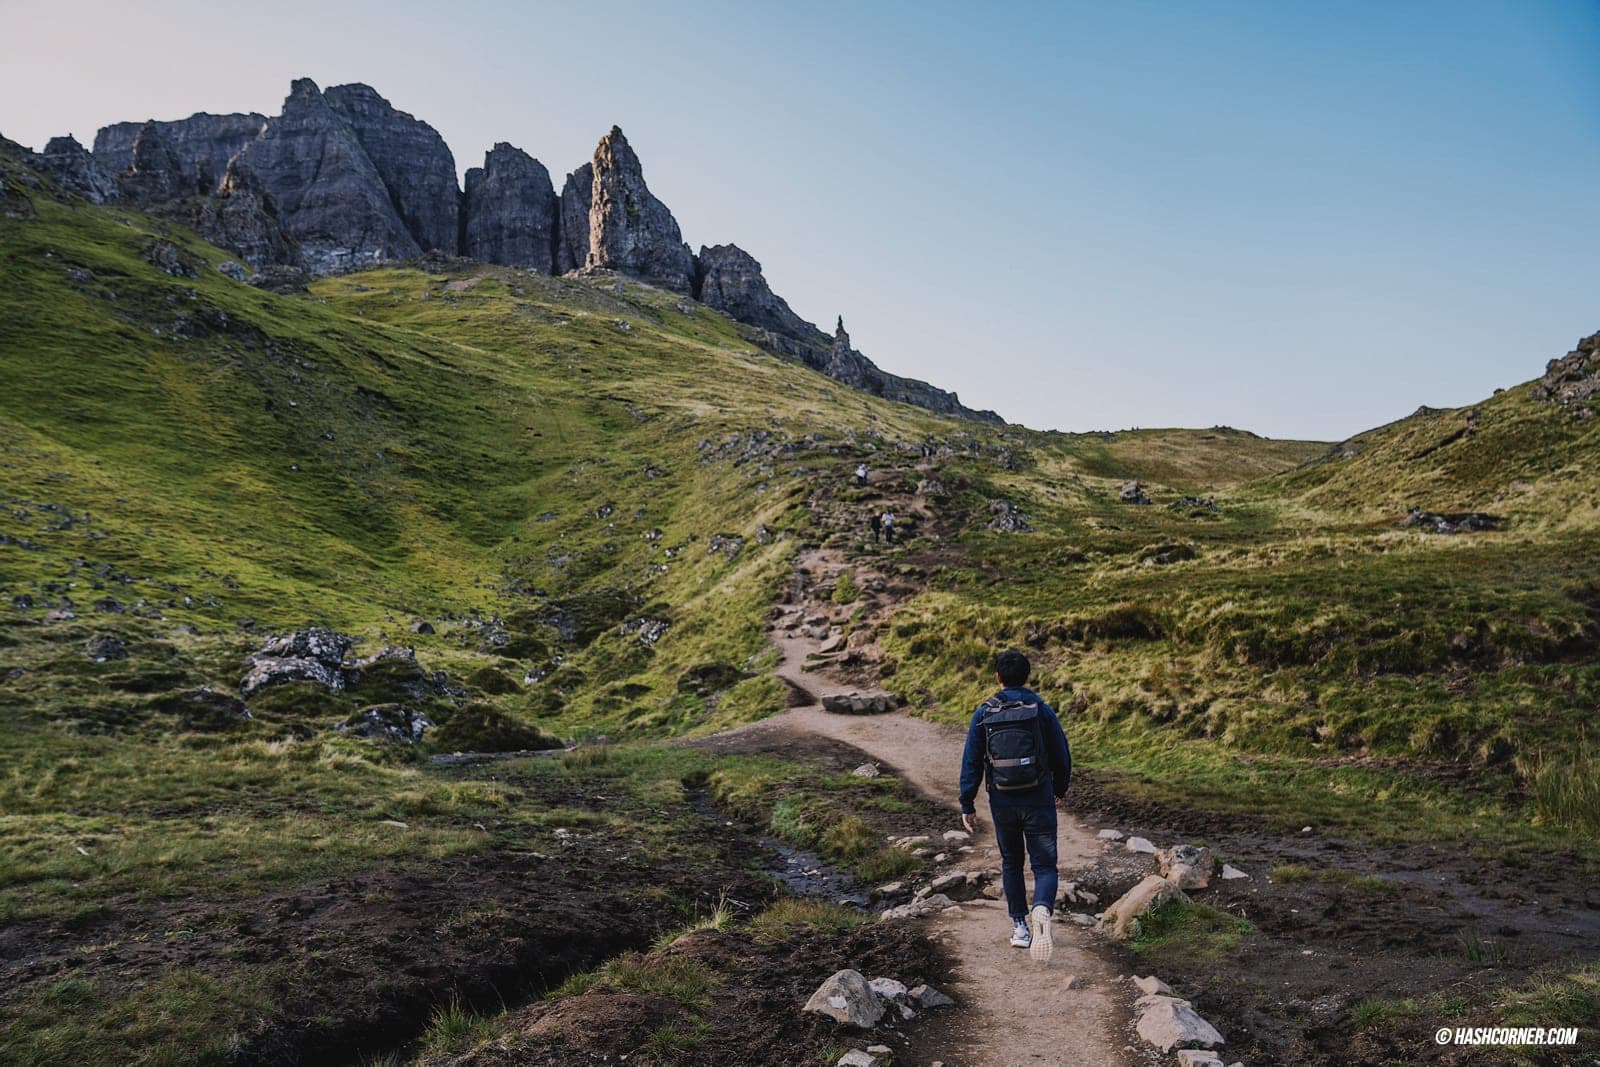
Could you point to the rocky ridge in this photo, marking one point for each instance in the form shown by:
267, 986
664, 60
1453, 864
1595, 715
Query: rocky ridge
341, 180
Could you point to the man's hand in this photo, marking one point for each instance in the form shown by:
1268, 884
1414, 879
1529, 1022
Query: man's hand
966, 821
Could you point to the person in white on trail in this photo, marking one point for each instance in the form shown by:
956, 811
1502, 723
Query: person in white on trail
861, 474
888, 527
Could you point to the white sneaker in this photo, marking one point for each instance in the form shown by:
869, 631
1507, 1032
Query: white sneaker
1020, 937
1041, 947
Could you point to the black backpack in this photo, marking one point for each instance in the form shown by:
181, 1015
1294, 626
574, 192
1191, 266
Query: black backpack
1013, 745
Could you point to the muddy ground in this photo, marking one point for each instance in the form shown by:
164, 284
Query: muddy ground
1451, 919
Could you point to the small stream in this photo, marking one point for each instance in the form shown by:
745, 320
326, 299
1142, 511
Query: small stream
803, 873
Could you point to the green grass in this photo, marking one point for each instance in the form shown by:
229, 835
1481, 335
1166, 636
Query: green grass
1290, 873
1189, 930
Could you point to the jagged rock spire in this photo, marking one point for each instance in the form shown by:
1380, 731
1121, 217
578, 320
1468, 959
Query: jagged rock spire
629, 229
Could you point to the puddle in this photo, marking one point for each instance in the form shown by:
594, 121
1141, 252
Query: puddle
801, 872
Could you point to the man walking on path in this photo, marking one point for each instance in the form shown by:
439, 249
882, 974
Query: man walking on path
877, 524
1016, 746
888, 526
861, 474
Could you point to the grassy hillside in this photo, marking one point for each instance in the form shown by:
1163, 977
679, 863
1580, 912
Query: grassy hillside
575, 501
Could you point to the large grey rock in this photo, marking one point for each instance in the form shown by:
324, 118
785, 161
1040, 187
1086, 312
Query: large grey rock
77, 172
412, 160
510, 211
846, 997
1167, 1022
1187, 866
203, 144
330, 197
572, 237
630, 231
387, 722
315, 655
918, 909
1573, 381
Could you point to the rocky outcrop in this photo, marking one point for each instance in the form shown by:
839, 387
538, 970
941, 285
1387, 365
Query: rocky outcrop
412, 159
241, 217
156, 175
729, 279
847, 365
329, 195
510, 211
77, 172
202, 143
1573, 381
630, 231
572, 238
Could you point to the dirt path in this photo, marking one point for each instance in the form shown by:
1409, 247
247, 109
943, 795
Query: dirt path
1014, 1011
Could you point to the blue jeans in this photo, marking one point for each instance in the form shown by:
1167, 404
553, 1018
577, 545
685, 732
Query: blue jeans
1036, 828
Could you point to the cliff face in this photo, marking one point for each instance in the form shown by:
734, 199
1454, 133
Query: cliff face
630, 231
412, 160
572, 244
510, 211
330, 197
202, 143
342, 179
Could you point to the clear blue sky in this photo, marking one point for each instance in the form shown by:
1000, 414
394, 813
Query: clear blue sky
1303, 219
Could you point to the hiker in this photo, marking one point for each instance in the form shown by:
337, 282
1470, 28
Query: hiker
861, 474
888, 526
1016, 746
877, 525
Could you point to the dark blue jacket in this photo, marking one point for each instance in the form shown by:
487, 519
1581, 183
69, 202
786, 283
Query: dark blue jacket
973, 765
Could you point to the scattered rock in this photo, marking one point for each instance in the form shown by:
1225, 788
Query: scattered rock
109, 606
1006, 517
1573, 381
1230, 873
847, 997
1187, 866
729, 545
386, 722
926, 996
1469, 522
1167, 1022
230, 269
1122, 917
1161, 555
315, 655
1195, 1057
890, 890
1133, 493
421, 626
859, 703
866, 770
1110, 835
1152, 986
889, 989
648, 630
104, 648
918, 909
164, 256
956, 837
857, 1058
1140, 844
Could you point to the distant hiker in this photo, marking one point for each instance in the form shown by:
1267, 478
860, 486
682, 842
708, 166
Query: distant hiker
888, 526
861, 474
876, 524
1015, 744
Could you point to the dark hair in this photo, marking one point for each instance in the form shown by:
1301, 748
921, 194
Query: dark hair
1012, 667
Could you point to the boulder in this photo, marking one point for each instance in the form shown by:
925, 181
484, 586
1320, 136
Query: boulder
1231, 873
847, 998
1133, 493
889, 989
511, 211
630, 231
1187, 866
1167, 1022
386, 722
1122, 917
859, 703
1006, 517
314, 655
1152, 986
926, 996
866, 770
104, 648
1140, 844
1110, 835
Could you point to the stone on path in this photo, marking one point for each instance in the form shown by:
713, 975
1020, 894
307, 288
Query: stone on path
925, 996
956, 837
1151, 985
918, 909
889, 989
1198, 1057
857, 1058
1123, 916
846, 997
1110, 835
1168, 1022
1230, 872
1140, 844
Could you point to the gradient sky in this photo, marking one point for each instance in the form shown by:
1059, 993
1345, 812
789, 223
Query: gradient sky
1302, 219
